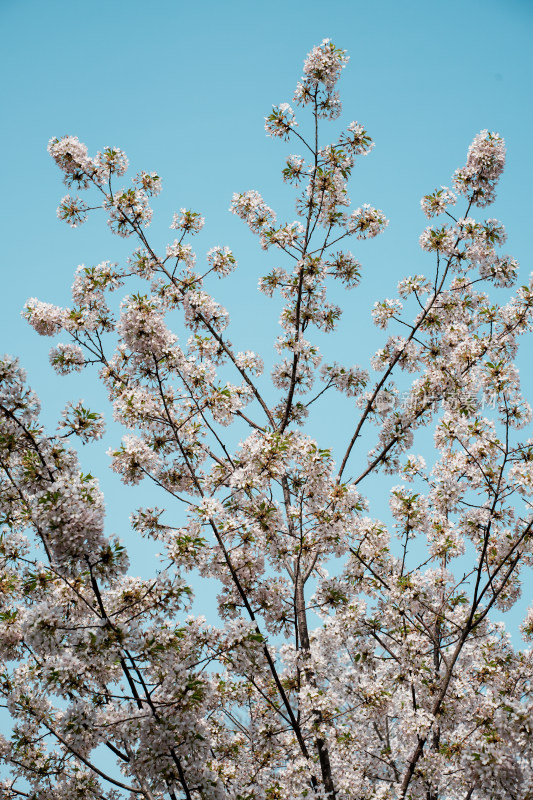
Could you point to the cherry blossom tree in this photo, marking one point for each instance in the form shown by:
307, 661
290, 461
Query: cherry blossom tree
386, 679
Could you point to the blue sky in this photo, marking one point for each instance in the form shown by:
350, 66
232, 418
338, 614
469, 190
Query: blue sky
184, 88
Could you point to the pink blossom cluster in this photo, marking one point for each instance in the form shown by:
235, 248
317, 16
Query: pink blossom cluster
437, 202
384, 311
442, 240
349, 380
44, 318
366, 222
251, 208
484, 165
324, 64
86, 424
322, 69
280, 121
188, 221
221, 260
67, 358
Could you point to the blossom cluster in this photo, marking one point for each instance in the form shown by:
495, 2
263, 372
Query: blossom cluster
484, 165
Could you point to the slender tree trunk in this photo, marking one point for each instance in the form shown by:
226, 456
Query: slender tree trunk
305, 646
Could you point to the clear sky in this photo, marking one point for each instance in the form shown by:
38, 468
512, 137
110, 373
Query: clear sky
184, 88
